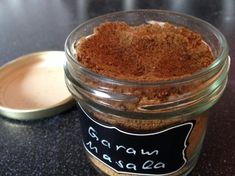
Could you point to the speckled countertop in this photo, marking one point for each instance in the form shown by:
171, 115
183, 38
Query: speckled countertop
53, 146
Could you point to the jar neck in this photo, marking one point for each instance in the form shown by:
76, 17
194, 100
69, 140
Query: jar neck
134, 100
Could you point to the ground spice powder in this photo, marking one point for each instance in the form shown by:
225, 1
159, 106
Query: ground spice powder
145, 53
149, 52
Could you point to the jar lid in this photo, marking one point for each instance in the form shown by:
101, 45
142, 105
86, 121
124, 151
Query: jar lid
33, 86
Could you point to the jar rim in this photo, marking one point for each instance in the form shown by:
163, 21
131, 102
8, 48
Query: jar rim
222, 55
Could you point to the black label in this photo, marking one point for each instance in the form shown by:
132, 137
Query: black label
157, 153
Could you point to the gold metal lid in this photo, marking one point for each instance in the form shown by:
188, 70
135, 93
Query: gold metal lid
33, 87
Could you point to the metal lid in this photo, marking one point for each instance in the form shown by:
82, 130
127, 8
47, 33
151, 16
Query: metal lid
33, 86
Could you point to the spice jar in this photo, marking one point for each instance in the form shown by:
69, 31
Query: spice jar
146, 128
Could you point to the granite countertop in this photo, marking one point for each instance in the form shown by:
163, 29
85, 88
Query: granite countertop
53, 146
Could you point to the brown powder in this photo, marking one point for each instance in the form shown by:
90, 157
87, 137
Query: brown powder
149, 52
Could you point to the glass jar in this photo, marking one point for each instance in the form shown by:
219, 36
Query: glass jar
146, 128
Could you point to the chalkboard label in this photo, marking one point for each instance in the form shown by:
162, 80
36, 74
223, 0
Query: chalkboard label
157, 153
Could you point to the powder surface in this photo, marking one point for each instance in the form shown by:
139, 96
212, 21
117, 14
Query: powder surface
149, 52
